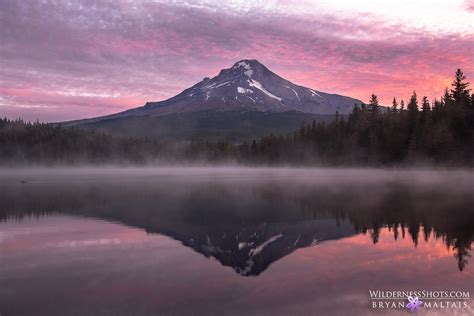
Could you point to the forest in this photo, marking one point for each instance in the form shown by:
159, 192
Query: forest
440, 132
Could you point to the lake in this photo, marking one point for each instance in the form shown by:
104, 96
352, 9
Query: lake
233, 241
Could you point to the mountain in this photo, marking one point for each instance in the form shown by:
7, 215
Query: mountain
250, 85
248, 95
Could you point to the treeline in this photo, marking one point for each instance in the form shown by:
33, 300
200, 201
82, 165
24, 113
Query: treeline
24, 143
441, 132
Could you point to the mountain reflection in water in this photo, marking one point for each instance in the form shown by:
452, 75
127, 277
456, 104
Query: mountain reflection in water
247, 219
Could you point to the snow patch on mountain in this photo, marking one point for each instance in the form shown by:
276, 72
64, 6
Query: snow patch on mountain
209, 86
242, 63
314, 93
244, 90
215, 85
294, 92
222, 84
251, 99
258, 85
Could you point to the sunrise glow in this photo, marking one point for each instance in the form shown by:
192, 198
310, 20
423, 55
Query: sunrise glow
71, 59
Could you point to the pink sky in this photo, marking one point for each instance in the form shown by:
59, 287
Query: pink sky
75, 59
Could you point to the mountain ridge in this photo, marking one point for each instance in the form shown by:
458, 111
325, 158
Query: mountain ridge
255, 87
247, 86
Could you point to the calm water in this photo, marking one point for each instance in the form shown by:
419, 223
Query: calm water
229, 241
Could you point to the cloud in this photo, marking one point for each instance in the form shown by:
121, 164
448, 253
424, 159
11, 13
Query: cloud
88, 58
469, 4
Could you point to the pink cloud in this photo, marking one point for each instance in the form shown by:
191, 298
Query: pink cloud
121, 58
469, 5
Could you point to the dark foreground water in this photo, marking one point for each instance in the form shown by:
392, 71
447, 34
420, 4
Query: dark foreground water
232, 241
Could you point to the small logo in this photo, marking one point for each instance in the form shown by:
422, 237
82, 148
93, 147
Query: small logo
413, 303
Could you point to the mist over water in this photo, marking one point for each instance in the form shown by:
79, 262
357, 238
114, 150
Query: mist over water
228, 239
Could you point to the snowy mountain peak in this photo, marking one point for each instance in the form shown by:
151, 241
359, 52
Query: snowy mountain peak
250, 86
245, 67
242, 63
248, 64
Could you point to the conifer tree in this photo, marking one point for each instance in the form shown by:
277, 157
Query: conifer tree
460, 91
447, 97
425, 105
413, 104
394, 105
374, 104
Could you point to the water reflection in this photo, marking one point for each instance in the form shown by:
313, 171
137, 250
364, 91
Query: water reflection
249, 219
